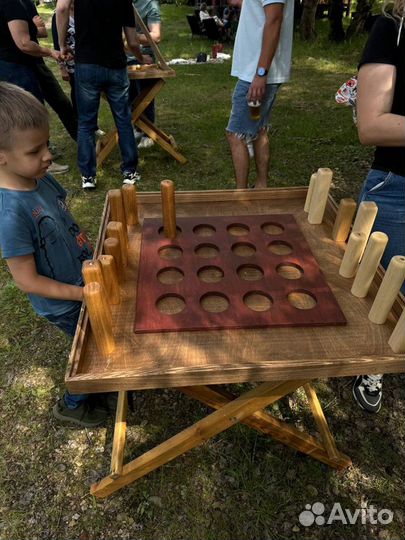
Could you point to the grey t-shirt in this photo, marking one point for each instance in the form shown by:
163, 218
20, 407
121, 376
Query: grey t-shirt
38, 222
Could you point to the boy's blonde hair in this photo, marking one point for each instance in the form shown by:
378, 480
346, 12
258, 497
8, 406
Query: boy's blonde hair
19, 110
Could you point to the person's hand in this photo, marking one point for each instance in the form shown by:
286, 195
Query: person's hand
147, 59
38, 21
257, 89
64, 73
56, 55
66, 53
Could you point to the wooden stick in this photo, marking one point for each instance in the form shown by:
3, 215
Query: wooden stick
389, 288
343, 221
120, 429
92, 273
168, 209
351, 258
115, 229
130, 204
117, 212
319, 196
109, 270
100, 318
309, 192
112, 247
397, 339
369, 264
365, 218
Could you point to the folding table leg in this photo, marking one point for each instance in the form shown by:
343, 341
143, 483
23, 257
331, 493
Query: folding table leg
119, 435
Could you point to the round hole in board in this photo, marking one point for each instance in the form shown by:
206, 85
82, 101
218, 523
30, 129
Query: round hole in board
214, 302
243, 249
206, 251
170, 304
290, 270
272, 229
204, 230
161, 230
170, 252
258, 301
171, 275
250, 272
301, 299
210, 274
280, 248
238, 229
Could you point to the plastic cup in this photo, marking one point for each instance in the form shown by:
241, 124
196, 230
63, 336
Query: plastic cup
254, 108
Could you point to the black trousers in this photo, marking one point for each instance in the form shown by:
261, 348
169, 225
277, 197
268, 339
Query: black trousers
57, 99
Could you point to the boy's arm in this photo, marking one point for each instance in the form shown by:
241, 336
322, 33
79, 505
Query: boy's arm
26, 277
271, 37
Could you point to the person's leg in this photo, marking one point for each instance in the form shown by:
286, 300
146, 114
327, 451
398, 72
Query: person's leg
117, 96
262, 158
89, 81
57, 99
240, 158
22, 76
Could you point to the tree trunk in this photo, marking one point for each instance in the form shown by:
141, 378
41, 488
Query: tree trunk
307, 24
363, 11
336, 32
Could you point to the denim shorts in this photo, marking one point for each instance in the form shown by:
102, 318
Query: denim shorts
240, 122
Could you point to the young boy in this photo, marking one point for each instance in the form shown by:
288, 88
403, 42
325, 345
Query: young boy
43, 246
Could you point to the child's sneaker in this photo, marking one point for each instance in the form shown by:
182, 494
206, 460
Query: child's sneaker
89, 182
146, 142
367, 391
83, 415
130, 177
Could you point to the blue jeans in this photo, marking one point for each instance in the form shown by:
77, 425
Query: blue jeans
68, 322
91, 80
22, 76
387, 190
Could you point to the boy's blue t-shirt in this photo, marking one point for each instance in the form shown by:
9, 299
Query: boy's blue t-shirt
40, 223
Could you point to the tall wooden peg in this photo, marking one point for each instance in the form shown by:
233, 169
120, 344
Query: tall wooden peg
343, 221
319, 196
112, 247
109, 270
369, 264
351, 258
397, 339
309, 192
117, 212
365, 218
168, 209
389, 288
91, 271
130, 204
115, 229
100, 318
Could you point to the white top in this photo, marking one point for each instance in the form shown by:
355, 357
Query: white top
204, 15
248, 43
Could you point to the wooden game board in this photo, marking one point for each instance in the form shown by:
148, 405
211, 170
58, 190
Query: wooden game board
230, 272
196, 363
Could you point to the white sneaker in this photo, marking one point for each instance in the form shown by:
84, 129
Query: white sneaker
56, 168
100, 133
131, 178
146, 142
138, 134
89, 182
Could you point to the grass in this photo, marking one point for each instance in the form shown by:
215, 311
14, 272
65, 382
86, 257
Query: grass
237, 485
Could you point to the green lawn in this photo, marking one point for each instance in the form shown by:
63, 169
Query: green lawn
238, 485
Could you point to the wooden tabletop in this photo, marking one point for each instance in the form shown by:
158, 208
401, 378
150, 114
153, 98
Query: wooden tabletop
179, 359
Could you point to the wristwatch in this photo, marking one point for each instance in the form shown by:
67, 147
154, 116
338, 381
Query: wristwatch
262, 72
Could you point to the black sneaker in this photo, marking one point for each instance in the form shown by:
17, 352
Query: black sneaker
84, 415
367, 391
130, 178
89, 182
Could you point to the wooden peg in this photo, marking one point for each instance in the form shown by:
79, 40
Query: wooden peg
100, 318
319, 196
91, 270
115, 229
109, 272
130, 204
112, 247
343, 221
351, 258
389, 288
369, 264
397, 339
117, 212
309, 192
168, 209
365, 218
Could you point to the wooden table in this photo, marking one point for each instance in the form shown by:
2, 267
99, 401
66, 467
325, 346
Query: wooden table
196, 363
